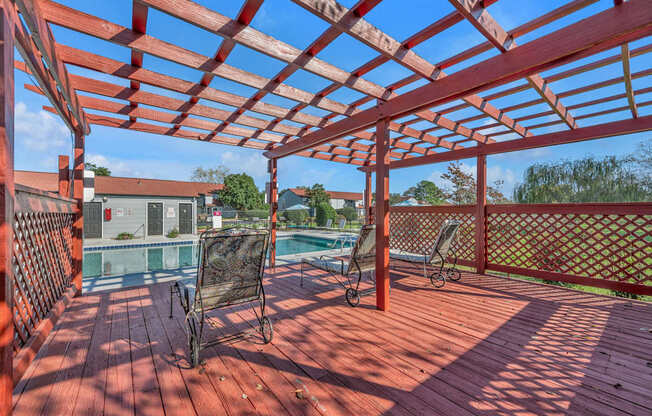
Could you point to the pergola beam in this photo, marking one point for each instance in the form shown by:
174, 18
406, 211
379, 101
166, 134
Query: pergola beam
123, 70
178, 121
42, 36
627, 76
594, 34
599, 131
192, 135
480, 18
102, 29
139, 13
389, 48
34, 65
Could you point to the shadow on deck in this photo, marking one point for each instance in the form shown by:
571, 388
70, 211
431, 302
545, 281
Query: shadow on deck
485, 346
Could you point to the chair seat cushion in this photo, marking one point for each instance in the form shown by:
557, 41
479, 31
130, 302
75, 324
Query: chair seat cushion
411, 257
330, 264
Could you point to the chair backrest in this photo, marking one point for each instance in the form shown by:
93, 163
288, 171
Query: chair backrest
444, 240
231, 267
341, 223
329, 222
364, 250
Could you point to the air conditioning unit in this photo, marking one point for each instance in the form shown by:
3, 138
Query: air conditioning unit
89, 185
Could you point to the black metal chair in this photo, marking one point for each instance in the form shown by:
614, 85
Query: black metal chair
361, 260
441, 250
229, 272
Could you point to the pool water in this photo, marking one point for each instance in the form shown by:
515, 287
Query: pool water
116, 262
304, 244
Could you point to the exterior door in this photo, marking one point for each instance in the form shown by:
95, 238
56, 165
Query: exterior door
154, 218
92, 220
185, 218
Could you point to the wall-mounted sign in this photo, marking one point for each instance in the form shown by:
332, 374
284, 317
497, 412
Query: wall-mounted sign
170, 212
119, 212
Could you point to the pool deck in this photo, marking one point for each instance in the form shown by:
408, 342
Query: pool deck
102, 283
481, 346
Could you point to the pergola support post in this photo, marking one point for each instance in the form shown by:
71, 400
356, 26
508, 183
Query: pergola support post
382, 214
273, 208
481, 215
7, 211
64, 176
367, 197
78, 226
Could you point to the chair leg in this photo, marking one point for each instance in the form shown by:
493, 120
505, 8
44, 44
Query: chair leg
171, 299
301, 279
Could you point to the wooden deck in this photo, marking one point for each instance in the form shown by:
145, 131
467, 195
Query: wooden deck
483, 346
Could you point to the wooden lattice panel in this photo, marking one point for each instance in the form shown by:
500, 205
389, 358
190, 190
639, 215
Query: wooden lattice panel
414, 229
601, 241
42, 261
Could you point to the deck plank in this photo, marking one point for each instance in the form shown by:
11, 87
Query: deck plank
484, 345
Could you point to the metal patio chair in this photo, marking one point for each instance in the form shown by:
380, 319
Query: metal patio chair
437, 256
362, 259
341, 223
229, 272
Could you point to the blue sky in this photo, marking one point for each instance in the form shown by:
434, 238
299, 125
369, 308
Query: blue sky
40, 136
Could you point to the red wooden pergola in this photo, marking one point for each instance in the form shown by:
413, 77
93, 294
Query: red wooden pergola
373, 133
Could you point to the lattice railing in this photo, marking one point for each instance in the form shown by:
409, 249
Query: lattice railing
599, 241
414, 229
42, 258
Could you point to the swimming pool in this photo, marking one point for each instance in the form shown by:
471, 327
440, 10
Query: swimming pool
116, 261
303, 244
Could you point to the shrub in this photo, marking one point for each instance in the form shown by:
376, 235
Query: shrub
125, 236
350, 213
174, 233
255, 213
296, 216
325, 212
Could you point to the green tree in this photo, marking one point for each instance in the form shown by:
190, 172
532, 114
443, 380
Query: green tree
429, 192
642, 163
99, 170
317, 195
216, 175
463, 189
393, 198
296, 216
240, 192
325, 212
611, 179
350, 213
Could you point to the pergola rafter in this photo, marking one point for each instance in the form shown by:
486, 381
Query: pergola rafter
102, 29
479, 17
609, 29
627, 77
247, 36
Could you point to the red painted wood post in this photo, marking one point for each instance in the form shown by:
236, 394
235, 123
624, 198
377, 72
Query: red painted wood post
273, 208
382, 214
481, 215
64, 176
78, 226
367, 197
6, 211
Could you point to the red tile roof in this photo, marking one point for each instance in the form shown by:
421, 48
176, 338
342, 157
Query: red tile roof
351, 196
112, 185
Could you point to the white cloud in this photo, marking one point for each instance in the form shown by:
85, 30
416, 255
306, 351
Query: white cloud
141, 168
39, 131
253, 164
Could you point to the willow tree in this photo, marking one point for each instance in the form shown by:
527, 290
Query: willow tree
611, 179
